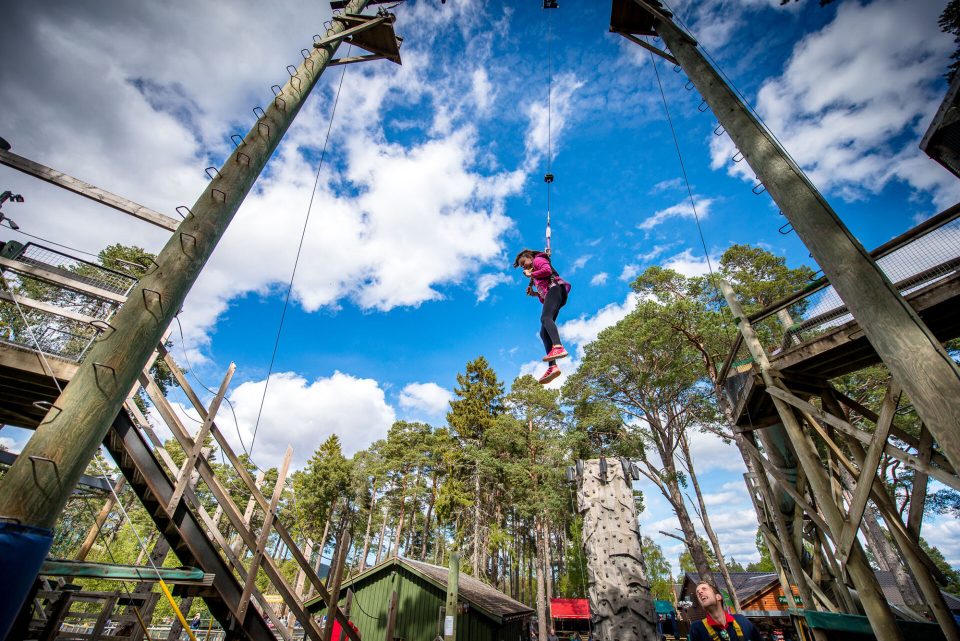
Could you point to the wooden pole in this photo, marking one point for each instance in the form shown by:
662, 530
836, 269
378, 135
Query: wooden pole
347, 606
391, 617
258, 552
101, 519
36, 487
453, 598
871, 596
337, 571
905, 344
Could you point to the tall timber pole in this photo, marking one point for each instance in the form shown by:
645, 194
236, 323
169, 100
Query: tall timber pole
35, 488
905, 344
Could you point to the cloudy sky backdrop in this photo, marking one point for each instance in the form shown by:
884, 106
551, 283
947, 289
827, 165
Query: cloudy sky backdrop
433, 180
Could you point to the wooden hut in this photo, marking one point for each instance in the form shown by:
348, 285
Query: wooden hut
484, 613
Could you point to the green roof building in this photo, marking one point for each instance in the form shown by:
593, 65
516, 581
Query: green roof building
485, 614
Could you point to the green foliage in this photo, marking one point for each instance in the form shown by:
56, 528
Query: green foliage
479, 401
326, 477
659, 572
952, 584
686, 559
950, 23
765, 564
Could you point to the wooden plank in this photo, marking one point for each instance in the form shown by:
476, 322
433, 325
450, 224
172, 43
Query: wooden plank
918, 494
115, 572
192, 455
342, 547
23, 301
935, 457
787, 486
227, 450
865, 438
99, 521
868, 471
66, 282
265, 533
230, 508
179, 431
87, 190
391, 617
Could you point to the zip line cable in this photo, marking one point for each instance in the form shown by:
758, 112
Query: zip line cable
296, 260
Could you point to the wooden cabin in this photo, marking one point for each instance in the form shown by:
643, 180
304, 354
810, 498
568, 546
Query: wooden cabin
484, 613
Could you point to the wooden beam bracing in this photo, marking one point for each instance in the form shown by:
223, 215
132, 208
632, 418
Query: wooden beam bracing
87, 190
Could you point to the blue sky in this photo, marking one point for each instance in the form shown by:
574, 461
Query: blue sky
433, 181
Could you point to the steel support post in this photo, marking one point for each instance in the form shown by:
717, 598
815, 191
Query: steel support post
871, 596
905, 344
35, 489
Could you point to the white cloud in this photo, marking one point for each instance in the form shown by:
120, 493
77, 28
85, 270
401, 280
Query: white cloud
629, 272
709, 452
944, 533
585, 329
565, 86
683, 209
486, 282
429, 398
688, 264
654, 252
391, 225
599, 279
667, 185
855, 98
304, 413
483, 92
579, 263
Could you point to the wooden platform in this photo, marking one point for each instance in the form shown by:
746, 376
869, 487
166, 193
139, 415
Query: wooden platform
25, 381
841, 350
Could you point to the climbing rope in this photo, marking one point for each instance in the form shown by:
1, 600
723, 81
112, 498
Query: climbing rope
296, 260
548, 177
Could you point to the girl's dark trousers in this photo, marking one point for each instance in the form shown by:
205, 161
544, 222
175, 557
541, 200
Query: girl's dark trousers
549, 334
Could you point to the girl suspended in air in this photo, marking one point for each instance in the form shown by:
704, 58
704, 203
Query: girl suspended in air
546, 284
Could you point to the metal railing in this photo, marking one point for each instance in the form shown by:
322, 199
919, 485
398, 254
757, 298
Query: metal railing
917, 259
64, 320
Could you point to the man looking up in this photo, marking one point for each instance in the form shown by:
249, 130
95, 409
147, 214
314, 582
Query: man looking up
719, 625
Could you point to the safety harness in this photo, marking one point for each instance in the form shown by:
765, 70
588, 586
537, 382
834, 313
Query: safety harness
715, 636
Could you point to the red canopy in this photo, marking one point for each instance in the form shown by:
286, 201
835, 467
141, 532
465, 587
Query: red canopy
570, 608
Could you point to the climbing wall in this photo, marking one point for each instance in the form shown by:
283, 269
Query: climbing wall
620, 599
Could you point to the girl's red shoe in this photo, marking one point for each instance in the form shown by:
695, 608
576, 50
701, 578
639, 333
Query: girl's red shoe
555, 353
552, 372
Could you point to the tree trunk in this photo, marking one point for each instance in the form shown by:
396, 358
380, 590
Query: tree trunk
547, 562
426, 522
711, 534
366, 536
403, 503
541, 581
476, 519
620, 598
675, 497
383, 534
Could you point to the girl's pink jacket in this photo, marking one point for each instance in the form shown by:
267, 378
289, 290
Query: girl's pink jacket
542, 275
